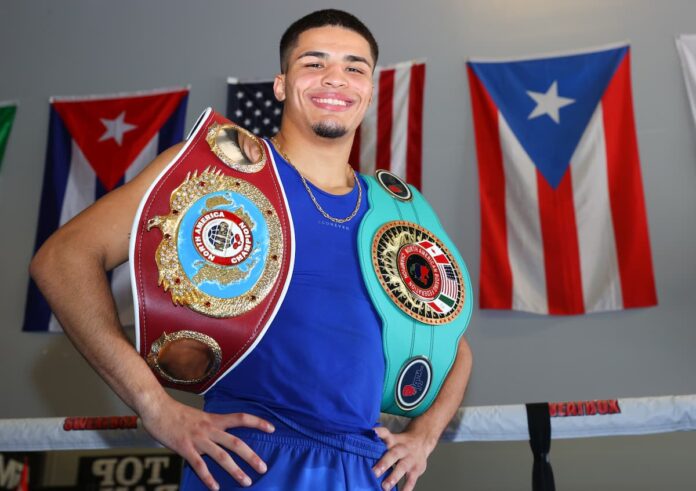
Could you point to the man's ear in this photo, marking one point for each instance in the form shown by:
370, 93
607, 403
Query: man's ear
279, 87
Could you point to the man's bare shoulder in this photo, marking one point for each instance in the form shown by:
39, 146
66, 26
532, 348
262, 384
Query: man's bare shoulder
112, 216
153, 169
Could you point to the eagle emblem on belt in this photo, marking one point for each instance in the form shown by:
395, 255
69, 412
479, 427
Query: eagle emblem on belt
219, 253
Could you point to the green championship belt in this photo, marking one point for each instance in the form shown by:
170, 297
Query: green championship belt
420, 287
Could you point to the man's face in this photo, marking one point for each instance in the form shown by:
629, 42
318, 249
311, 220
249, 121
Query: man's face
328, 83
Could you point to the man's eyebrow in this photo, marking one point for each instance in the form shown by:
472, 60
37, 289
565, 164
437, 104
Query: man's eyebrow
316, 54
323, 56
357, 59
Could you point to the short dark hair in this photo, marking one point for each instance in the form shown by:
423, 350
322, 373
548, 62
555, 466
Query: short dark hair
322, 18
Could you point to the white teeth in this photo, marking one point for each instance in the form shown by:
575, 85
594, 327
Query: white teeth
333, 102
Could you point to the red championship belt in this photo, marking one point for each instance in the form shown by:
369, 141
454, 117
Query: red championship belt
211, 255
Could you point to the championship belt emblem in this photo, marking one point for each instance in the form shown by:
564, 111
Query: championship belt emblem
209, 282
413, 383
417, 272
420, 288
217, 256
394, 185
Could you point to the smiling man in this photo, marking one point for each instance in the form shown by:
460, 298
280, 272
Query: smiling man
300, 412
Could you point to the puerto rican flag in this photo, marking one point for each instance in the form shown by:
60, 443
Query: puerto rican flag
563, 222
95, 144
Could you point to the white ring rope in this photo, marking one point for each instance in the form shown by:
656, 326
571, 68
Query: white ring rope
577, 419
36, 434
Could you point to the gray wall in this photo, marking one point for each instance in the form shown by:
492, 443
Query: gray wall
93, 47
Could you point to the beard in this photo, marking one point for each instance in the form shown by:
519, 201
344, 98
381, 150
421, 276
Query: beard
329, 130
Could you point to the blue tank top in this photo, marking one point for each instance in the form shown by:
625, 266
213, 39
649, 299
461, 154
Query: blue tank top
321, 362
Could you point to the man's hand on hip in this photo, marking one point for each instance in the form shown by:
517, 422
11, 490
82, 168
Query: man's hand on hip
407, 453
192, 433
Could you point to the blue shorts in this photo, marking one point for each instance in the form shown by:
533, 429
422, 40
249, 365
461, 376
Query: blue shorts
301, 459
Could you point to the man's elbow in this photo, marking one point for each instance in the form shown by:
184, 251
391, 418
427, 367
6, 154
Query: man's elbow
49, 264
44, 261
465, 354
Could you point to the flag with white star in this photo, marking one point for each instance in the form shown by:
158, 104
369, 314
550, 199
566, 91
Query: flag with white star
563, 228
95, 144
390, 136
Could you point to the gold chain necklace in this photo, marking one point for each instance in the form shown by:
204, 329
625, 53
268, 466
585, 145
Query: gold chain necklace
311, 194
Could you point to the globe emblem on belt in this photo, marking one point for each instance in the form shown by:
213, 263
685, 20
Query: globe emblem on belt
419, 271
224, 243
222, 237
221, 247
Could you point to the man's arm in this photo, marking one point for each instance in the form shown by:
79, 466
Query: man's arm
70, 269
408, 451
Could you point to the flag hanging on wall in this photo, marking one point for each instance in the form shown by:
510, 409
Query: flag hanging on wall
390, 137
254, 106
686, 46
95, 144
8, 110
563, 222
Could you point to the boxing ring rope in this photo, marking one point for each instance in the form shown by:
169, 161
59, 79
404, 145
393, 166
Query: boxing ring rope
575, 419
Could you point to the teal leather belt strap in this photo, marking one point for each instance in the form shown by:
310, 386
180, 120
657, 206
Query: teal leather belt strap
420, 287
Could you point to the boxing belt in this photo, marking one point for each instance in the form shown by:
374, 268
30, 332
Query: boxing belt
211, 257
420, 287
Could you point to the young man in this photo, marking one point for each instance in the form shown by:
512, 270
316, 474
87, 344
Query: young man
299, 412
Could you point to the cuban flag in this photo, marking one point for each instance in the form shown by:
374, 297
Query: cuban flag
95, 144
563, 222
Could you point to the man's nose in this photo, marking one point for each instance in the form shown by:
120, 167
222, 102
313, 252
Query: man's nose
335, 77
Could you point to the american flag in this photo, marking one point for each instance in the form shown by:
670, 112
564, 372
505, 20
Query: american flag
254, 106
390, 137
